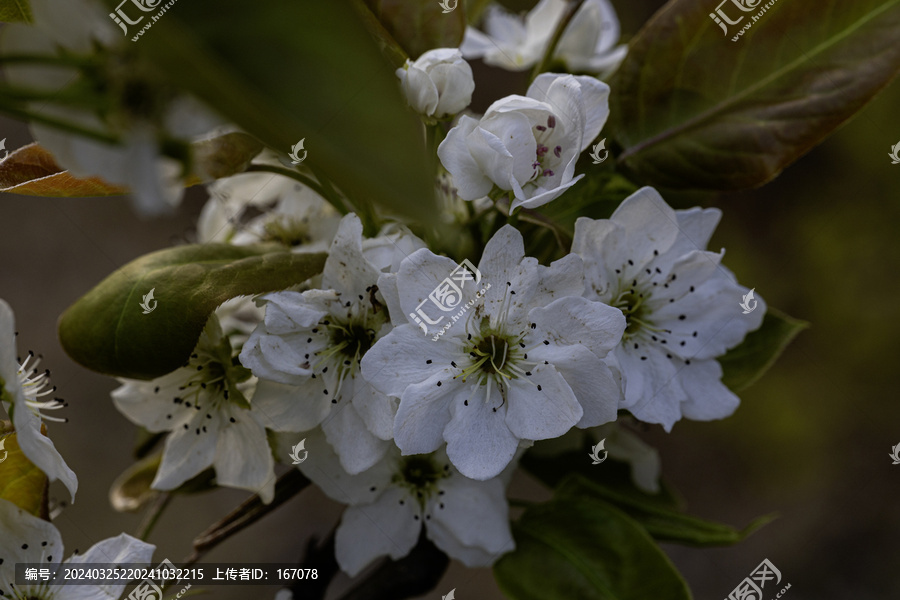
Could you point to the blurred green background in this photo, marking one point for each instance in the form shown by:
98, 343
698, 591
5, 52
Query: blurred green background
810, 441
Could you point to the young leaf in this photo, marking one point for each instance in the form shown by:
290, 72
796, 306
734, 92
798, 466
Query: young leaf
746, 363
108, 331
32, 171
584, 548
304, 70
12, 11
694, 109
21, 482
663, 523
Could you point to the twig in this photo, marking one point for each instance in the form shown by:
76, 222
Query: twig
288, 485
151, 517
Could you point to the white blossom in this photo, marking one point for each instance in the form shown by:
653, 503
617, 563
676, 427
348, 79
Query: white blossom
588, 43
291, 213
390, 503
29, 539
206, 410
522, 364
23, 392
438, 84
307, 355
527, 145
680, 304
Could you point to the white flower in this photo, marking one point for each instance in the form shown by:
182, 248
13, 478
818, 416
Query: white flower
307, 355
523, 364
22, 391
438, 84
681, 306
28, 539
391, 501
204, 406
588, 43
527, 145
292, 214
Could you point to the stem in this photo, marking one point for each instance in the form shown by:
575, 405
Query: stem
288, 485
307, 181
151, 517
569, 12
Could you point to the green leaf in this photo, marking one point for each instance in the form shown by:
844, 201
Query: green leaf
21, 482
302, 70
586, 549
12, 11
614, 475
420, 25
107, 331
746, 363
131, 490
664, 524
695, 110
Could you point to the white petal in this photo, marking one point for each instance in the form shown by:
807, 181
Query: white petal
470, 181
385, 527
377, 411
707, 397
40, 450
20, 528
571, 320
405, 357
122, 549
424, 412
479, 442
283, 407
346, 270
540, 414
504, 147
470, 521
186, 453
652, 391
564, 277
323, 467
357, 448
590, 378
243, 459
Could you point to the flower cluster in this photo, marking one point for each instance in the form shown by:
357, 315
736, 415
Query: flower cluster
417, 366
